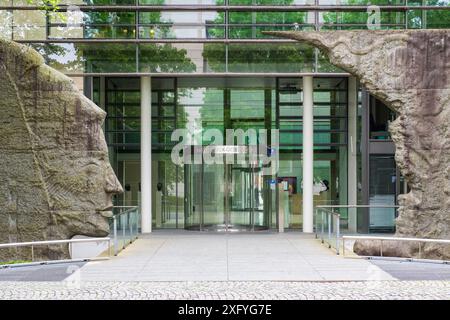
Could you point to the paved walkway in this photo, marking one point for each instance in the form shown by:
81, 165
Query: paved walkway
259, 290
169, 256
191, 256
186, 265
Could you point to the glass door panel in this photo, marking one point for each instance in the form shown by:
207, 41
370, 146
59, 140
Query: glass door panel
260, 206
247, 194
192, 196
214, 187
225, 198
382, 192
240, 197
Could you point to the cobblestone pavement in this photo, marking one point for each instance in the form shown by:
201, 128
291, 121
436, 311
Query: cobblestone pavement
216, 290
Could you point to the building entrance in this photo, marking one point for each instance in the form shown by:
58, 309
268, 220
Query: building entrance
235, 195
225, 197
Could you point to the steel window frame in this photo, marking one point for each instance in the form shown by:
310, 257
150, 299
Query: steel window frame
230, 8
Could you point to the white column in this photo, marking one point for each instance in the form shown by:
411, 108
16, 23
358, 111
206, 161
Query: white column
308, 154
352, 153
146, 154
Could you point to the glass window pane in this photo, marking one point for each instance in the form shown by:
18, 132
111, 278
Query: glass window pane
164, 58
247, 104
382, 192
266, 57
181, 25
266, 2
27, 24
213, 58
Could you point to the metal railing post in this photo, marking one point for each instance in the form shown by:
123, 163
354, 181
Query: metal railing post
123, 231
343, 246
323, 222
130, 222
32, 253
134, 224
316, 229
420, 249
330, 221
338, 222
116, 245
136, 218
381, 247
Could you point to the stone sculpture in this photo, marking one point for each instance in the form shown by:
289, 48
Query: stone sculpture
409, 70
56, 180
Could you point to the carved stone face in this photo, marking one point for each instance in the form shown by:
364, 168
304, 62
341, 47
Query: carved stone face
57, 179
84, 181
409, 71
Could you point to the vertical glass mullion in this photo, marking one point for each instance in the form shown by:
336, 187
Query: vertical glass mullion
277, 126
136, 23
317, 28
177, 171
227, 30
137, 48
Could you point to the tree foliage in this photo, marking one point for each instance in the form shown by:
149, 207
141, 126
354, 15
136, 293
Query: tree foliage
257, 57
414, 19
117, 57
51, 5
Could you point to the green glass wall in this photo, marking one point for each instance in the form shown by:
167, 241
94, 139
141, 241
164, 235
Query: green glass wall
162, 37
199, 104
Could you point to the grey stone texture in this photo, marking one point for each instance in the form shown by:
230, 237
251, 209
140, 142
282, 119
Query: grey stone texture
226, 290
409, 70
56, 180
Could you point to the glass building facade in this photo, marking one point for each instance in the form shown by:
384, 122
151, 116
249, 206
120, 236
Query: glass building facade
211, 68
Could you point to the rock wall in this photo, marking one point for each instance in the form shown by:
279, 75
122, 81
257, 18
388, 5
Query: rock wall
409, 70
56, 180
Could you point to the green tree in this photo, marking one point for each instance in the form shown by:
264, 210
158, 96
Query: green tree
50, 5
431, 19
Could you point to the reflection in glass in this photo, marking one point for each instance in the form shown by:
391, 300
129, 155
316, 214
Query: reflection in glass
269, 58
382, 192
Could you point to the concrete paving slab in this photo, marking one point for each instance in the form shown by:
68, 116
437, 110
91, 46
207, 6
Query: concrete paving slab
195, 256
226, 257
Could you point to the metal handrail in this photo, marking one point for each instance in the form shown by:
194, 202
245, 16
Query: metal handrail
356, 206
36, 243
32, 244
331, 214
129, 208
133, 207
132, 216
397, 239
382, 238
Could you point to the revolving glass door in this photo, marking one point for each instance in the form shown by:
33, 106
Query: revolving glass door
226, 198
